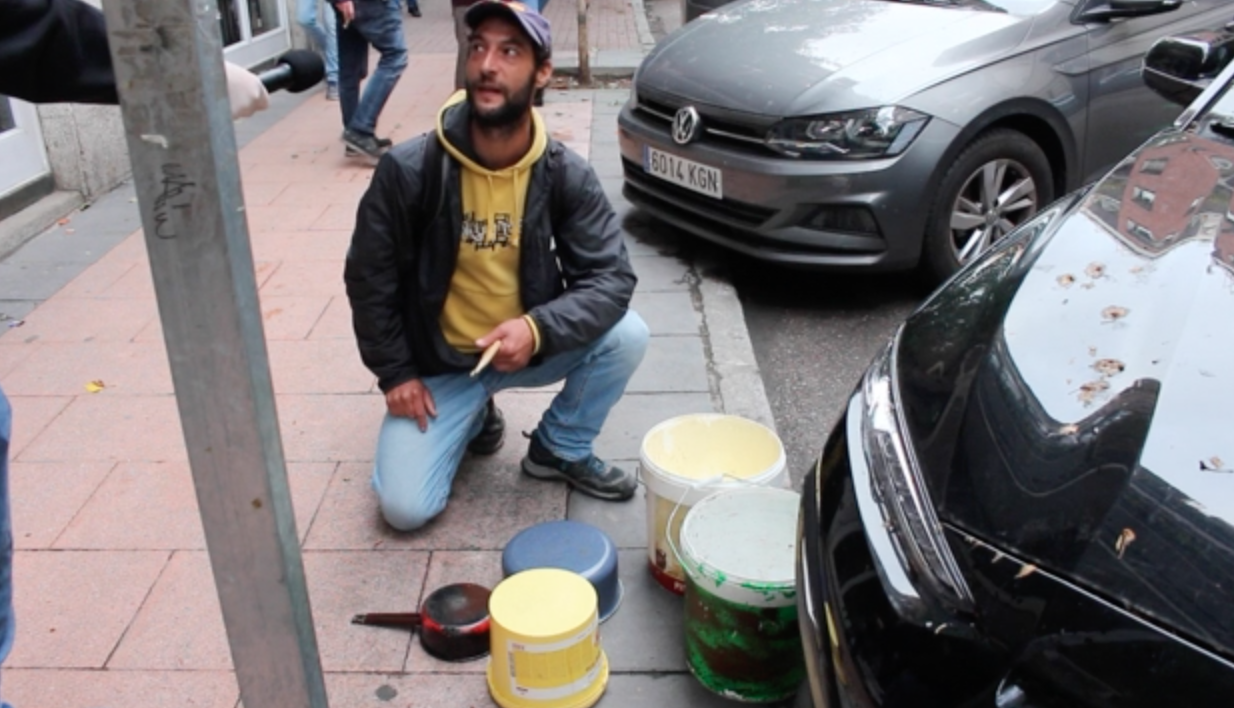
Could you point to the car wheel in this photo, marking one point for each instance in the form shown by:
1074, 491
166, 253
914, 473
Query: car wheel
998, 182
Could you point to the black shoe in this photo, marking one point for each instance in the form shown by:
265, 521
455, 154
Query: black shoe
414, 11
492, 435
591, 475
367, 145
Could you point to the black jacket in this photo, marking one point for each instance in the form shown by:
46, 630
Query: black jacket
54, 50
575, 276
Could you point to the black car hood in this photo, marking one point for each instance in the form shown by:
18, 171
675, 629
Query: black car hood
1076, 410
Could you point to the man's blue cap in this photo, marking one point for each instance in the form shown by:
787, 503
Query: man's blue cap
533, 23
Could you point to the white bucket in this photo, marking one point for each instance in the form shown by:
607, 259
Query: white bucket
685, 459
741, 634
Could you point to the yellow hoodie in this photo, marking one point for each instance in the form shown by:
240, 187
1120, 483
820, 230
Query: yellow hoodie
484, 290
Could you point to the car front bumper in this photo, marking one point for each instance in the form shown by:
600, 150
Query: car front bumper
776, 208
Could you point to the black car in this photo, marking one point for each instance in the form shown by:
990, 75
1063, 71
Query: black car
1030, 500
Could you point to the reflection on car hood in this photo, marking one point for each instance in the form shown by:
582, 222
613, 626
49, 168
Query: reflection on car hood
1087, 420
795, 57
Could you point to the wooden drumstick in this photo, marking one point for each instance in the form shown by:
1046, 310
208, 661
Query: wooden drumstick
486, 357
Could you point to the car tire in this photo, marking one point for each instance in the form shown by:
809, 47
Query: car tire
967, 216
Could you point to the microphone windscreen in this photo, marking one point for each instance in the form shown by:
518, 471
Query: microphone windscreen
307, 69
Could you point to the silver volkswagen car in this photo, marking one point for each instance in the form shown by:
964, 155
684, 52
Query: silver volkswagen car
886, 135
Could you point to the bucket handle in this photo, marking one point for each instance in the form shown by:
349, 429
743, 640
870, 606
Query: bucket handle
701, 484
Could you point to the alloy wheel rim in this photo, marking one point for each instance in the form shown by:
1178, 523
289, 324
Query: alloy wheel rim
999, 196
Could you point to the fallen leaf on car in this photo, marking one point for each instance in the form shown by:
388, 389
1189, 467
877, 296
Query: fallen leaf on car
1092, 351
1026, 570
1137, 269
62, 222
1066, 279
1114, 312
1095, 270
1124, 539
95, 386
1213, 464
1090, 390
1109, 367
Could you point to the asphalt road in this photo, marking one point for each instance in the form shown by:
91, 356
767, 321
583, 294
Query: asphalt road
814, 334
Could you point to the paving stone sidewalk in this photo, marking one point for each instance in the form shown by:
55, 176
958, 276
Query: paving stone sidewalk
115, 598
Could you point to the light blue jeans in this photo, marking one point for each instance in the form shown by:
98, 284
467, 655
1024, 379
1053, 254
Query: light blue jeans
414, 470
7, 627
378, 23
321, 27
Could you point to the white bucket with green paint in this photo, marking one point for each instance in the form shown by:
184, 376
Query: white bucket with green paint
742, 639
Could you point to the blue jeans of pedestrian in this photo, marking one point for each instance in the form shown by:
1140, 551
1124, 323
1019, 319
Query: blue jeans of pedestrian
378, 23
414, 470
321, 28
7, 626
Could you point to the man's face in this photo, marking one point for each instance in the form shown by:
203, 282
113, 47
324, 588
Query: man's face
501, 73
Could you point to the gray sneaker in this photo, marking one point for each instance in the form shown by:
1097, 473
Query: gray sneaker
331, 92
358, 144
590, 475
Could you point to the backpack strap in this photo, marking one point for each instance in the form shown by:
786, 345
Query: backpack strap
557, 171
434, 170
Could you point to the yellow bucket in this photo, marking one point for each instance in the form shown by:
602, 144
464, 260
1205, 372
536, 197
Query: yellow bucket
687, 459
545, 641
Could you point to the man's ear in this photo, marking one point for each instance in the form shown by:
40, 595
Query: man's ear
544, 73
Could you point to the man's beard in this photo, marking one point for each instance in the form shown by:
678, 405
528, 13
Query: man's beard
517, 104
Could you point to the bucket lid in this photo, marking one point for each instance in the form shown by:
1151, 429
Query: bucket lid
745, 537
712, 446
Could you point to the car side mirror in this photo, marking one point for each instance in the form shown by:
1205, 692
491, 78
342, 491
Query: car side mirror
1115, 9
1180, 68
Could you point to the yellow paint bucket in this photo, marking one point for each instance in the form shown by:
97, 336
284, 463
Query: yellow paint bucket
545, 641
688, 458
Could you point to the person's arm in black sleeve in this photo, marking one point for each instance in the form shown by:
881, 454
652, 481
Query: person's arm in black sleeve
371, 273
55, 51
599, 278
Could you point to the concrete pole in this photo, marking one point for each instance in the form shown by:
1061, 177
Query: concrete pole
168, 61
584, 52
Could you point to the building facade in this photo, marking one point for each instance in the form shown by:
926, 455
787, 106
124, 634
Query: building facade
81, 150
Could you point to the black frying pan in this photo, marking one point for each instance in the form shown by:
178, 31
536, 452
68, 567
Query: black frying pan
453, 622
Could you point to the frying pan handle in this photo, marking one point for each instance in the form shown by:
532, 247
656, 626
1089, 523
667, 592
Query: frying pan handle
403, 620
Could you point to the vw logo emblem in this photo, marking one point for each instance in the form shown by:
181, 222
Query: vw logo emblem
685, 125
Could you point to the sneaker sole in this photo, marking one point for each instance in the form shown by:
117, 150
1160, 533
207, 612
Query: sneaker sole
355, 154
551, 474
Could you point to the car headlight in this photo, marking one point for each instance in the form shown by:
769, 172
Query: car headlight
902, 527
874, 132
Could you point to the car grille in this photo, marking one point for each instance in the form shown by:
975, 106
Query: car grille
746, 136
727, 209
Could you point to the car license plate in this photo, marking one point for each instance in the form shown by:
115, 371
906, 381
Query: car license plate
680, 171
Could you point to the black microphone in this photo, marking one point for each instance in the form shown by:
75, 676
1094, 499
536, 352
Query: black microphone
296, 71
